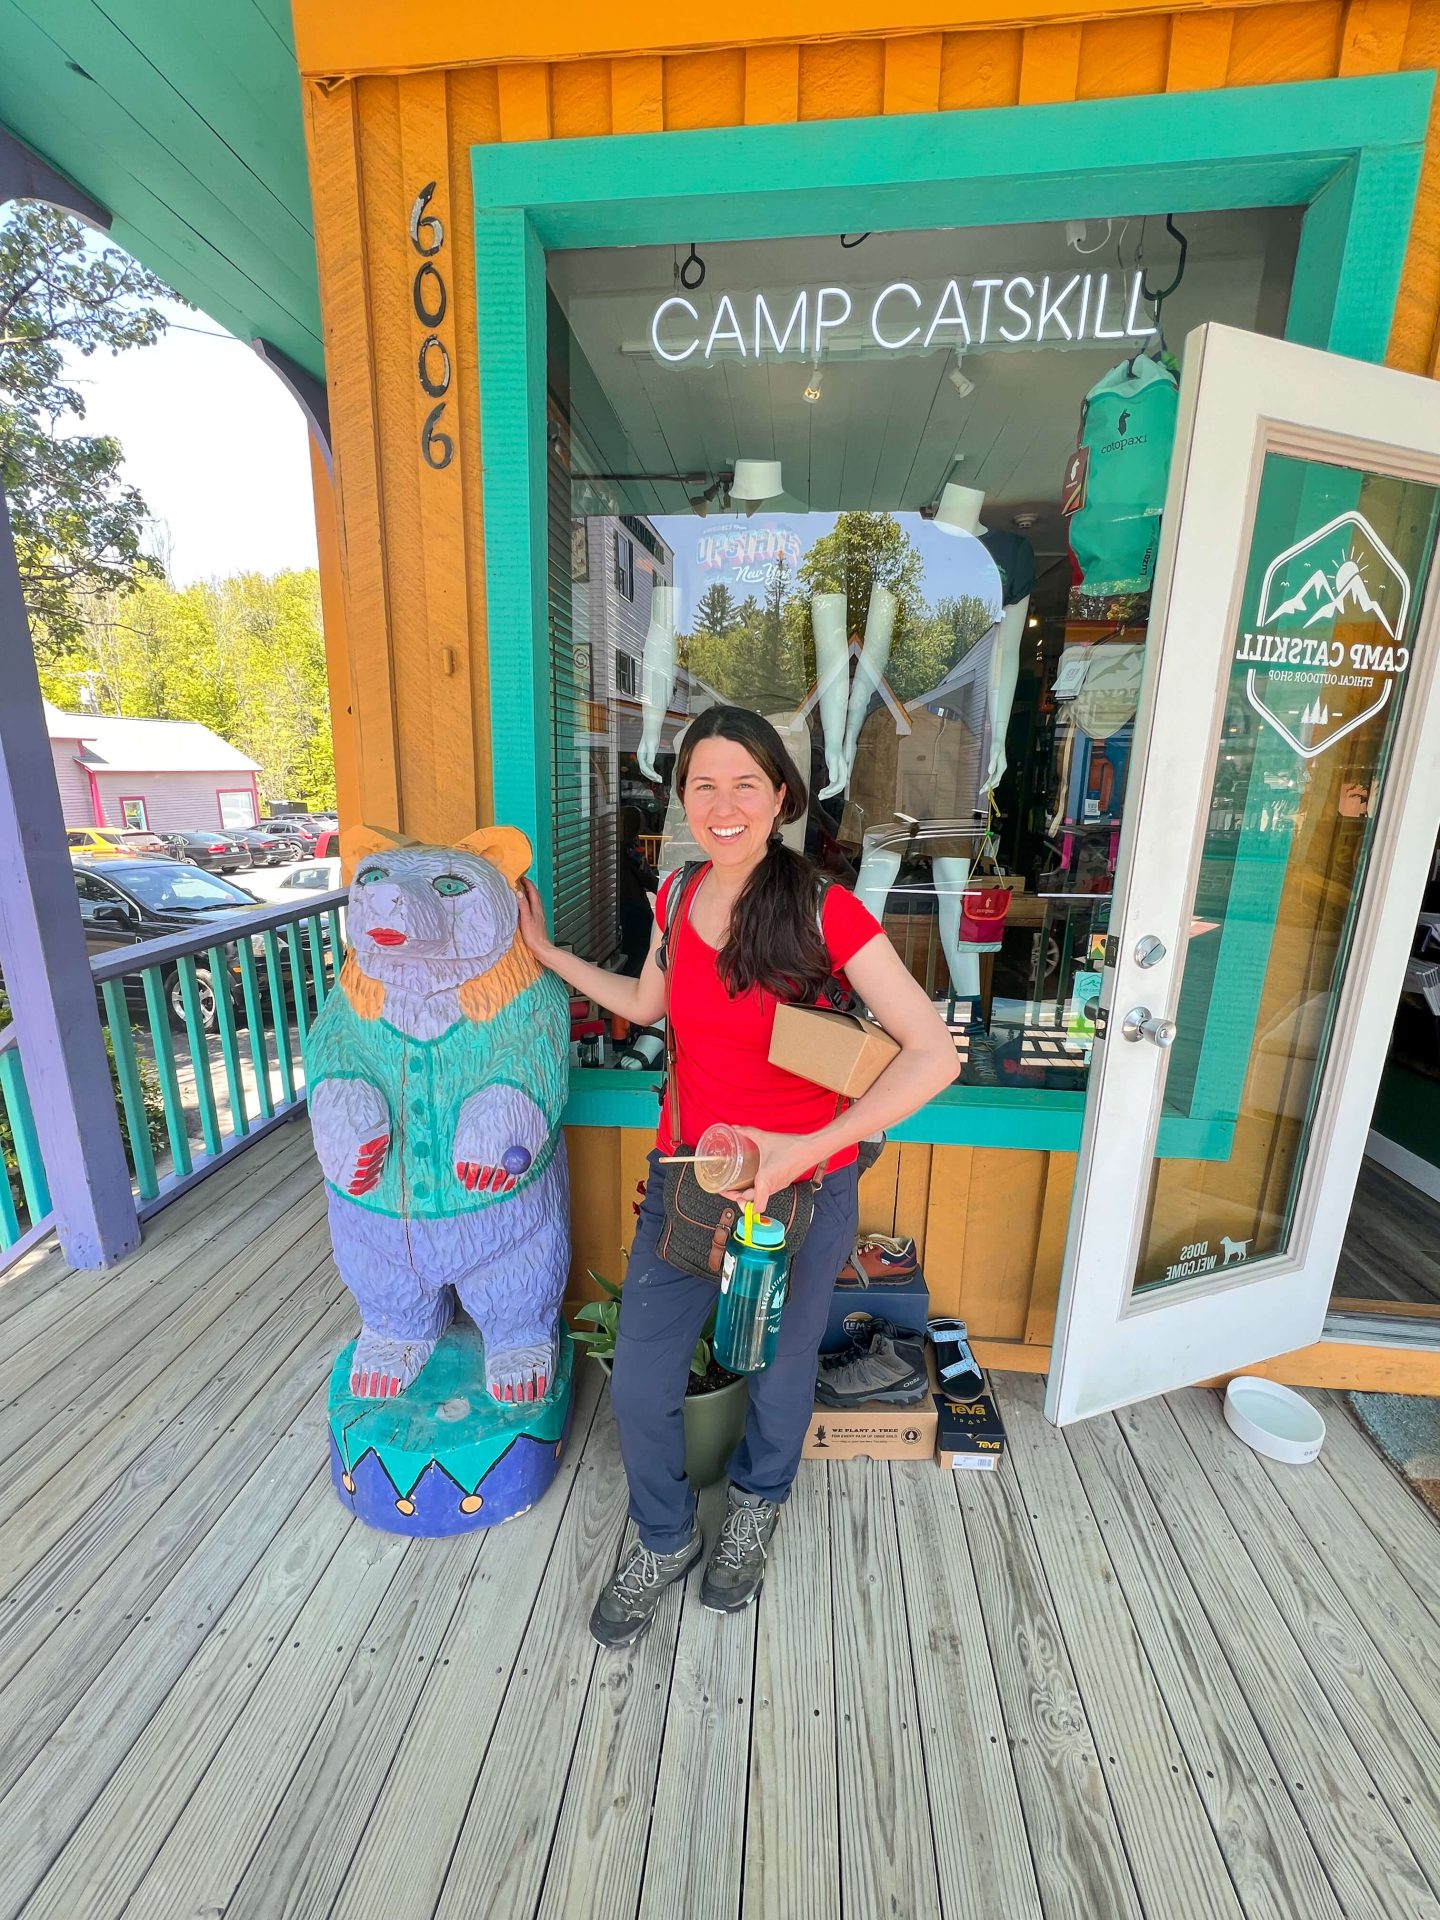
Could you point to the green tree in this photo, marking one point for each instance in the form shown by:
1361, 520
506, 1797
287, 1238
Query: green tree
77, 525
717, 612
863, 551
244, 656
758, 661
935, 644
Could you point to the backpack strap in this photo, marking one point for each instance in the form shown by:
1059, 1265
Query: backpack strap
835, 991
680, 884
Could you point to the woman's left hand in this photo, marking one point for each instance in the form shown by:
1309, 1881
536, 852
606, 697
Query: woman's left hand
783, 1158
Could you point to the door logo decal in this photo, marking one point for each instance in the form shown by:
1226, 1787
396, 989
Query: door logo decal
1327, 646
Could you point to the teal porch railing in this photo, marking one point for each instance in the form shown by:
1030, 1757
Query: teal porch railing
206, 1032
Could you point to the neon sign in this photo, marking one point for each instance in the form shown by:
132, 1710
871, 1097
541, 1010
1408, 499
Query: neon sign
994, 311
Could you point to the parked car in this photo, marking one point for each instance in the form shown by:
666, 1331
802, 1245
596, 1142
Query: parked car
311, 876
282, 886
294, 827
327, 844
216, 852
124, 903
128, 843
265, 849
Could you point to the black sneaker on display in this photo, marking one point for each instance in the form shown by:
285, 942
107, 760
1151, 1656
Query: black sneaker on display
737, 1560
884, 1364
629, 1599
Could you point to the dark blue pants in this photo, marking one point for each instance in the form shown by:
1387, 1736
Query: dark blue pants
662, 1315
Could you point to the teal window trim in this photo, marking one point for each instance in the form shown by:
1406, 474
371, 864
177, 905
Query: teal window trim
1348, 151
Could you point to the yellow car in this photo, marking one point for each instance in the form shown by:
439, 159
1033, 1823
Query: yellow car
119, 843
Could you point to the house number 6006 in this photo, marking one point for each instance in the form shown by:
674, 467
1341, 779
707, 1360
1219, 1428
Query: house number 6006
431, 300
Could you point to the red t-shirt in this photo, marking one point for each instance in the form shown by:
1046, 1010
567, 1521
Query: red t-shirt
722, 1045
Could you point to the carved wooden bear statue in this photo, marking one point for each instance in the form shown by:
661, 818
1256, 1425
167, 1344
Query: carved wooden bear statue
437, 1076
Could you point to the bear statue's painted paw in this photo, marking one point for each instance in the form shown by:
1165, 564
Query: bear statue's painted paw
520, 1373
384, 1367
369, 1165
502, 1179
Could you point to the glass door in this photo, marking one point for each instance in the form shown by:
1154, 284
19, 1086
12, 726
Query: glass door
1285, 792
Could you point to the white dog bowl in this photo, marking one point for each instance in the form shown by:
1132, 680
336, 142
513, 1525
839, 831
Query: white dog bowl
1273, 1420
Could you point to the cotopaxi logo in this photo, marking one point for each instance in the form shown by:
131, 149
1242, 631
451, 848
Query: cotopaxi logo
1328, 643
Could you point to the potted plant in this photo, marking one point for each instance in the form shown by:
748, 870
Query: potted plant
715, 1401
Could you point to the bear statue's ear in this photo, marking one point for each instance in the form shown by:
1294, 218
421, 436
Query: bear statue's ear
357, 842
504, 847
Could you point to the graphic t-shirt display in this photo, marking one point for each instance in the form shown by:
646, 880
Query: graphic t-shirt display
1128, 430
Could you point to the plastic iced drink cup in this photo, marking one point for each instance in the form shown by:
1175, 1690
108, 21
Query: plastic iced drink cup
725, 1159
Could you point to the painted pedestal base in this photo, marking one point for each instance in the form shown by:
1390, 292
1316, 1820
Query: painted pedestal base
445, 1458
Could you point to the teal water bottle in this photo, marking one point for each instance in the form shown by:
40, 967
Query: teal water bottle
754, 1283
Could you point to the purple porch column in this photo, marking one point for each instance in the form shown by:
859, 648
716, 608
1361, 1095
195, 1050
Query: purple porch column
47, 971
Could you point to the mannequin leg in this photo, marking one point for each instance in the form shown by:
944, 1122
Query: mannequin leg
879, 866
951, 875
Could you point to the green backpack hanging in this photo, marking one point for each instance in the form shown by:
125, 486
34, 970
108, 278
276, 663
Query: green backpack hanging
1118, 475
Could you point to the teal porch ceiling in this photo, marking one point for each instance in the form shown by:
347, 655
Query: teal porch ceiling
183, 120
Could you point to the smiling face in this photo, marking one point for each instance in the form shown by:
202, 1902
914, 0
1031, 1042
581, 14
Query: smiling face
429, 916
730, 803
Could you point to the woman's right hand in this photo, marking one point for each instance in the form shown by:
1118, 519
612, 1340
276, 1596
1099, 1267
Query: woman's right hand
533, 930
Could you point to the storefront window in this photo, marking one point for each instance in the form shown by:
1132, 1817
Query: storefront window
901, 493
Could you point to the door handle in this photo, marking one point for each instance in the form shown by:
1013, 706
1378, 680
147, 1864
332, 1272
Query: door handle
1141, 1024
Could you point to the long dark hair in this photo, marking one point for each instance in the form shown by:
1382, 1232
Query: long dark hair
774, 940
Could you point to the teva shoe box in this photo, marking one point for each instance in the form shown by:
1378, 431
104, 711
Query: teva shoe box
970, 1434
842, 1051
905, 1302
872, 1433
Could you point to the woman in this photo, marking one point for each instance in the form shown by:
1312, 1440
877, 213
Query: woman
746, 935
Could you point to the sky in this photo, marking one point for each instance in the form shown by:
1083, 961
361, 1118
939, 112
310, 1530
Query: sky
214, 443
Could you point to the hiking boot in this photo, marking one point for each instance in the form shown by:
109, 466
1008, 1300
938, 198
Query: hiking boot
737, 1560
883, 1365
628, 1601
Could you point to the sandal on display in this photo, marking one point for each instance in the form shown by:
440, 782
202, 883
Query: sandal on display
959, 1370
878, 1260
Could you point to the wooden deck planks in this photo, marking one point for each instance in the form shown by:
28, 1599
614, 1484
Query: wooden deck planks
887, 1856
498, 1863
1400, 1751
1268, 1852
206, 1851
694, 1865
41, 1333
792, 1826
66, 1417
82, 1597
41, 1284
1391, 1508
150, 1766
598, 1856
1385, 1609
1135, 1671
1074, 1842
1370, 1865
1169, 1844
313, 1832
982, 1853
127, 1464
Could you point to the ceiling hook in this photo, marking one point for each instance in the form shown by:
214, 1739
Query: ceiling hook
692, 270
1158, 297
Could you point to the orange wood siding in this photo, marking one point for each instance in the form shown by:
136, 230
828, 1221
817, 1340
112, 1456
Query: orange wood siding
408, 653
